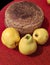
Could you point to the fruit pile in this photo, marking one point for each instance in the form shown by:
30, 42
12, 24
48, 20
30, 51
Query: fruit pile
28, 43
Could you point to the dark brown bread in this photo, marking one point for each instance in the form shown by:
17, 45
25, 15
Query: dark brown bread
24, 16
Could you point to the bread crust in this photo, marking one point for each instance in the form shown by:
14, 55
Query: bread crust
24, 16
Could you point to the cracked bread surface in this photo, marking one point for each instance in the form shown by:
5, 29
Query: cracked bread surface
24, 16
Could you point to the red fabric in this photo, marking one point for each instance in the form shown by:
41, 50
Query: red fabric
13, 57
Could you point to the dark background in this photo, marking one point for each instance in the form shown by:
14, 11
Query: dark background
3, 3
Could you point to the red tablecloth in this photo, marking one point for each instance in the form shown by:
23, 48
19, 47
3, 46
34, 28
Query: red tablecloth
13, 57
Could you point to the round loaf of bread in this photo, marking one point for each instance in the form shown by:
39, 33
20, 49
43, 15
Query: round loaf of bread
24, 16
